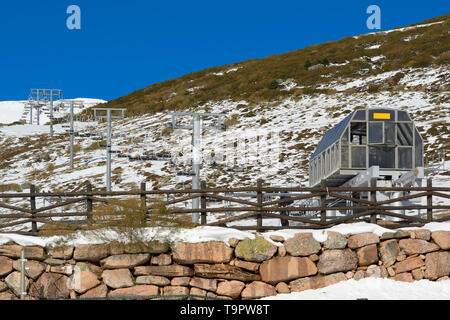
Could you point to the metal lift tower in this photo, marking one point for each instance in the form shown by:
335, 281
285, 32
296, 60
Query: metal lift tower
108, 116
39, 98
71, 105
197, 128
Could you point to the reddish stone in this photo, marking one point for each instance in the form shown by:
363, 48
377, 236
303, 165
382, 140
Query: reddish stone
405, 277
257, 290
204, 252
164, 271
224, 271
251, 266
51, 286
332, 261
141, 290
367, 255
302, 244
125, 261
442, 239
408, 265
206, 284
118, 278
417, 246
286, 268
437, 265
6, 266
98, 292
231, 288
316, 282
362, 239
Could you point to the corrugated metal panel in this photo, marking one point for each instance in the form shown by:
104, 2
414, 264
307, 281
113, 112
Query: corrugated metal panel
332, 136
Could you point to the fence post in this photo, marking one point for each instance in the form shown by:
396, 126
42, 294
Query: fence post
143, 197
203, 203
89, 202
429, 200
33, 209
373, 197
323, 203
259, 200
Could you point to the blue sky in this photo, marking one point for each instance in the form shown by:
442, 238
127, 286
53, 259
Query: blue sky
124, 46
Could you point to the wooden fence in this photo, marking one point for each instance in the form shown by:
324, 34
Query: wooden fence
248, 203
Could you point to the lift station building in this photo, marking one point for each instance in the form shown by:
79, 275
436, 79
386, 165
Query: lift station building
386, 138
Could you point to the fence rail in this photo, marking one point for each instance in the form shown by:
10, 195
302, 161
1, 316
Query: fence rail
259, 206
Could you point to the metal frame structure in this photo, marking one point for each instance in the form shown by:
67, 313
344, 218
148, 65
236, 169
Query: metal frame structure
38, 99
196, 128
72, 104
396, 138
108, 117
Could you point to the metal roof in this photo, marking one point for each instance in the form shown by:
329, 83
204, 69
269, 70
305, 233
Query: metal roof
333, 135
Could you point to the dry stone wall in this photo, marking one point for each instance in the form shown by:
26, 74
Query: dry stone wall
247, 269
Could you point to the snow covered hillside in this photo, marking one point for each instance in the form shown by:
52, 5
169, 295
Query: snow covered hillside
12, 111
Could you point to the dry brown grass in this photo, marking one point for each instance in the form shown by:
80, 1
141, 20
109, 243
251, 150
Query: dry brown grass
254, 79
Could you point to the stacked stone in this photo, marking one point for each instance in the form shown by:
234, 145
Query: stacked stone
247, 269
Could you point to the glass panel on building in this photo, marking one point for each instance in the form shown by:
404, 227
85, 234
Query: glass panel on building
404, 158
375, 132
382, 156
403, 116
359, 157
404, 134
389, 133
344, 156
345, 136
358, 133
360, 115
418, 149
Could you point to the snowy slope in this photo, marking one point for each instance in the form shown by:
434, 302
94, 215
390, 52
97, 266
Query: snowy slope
11, 111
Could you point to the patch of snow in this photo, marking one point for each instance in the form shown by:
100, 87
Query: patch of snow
375, 46
374, 289
399, 29
11, 111
221, 73
192, 90
377, 58
206, 233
